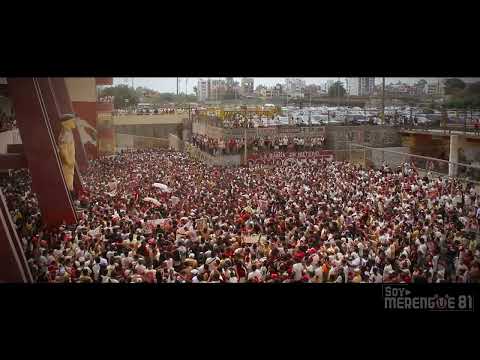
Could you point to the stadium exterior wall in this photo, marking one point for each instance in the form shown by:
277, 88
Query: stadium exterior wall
127, 141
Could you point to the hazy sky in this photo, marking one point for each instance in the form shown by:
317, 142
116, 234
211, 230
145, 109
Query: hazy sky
170, 84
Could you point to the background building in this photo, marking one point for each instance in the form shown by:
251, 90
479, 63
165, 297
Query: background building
202, 90
247, 86
363, 86
211, 89
328, 85
295, 87
218, 89
435, 88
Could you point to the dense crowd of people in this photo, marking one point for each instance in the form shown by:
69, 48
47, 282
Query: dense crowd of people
156, 111
241, 121
151, 216
220, 146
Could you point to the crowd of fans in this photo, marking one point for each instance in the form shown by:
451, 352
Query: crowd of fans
242, 121
156, 111
233, 145
106, 99
152, 216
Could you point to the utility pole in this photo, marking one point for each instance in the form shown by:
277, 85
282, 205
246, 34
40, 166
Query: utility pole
177, 86
471, 116
411, 120
338, 92
383, 101
245, 145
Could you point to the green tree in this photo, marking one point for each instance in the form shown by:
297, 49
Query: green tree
474, 88
124, 96
454, 86
337, 90
456, 103
421, 82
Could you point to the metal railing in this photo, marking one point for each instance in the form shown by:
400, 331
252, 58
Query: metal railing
377, 157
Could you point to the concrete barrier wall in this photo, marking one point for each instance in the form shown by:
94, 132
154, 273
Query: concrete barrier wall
124, 141
373, 157
150, 130
134, 119
127, 141
469, 150
393, 160
338, 137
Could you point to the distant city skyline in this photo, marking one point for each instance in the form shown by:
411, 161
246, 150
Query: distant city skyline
170, 84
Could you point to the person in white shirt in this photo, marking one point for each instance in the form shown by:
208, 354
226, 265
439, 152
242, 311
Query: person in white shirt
387, 270
233, 277
255, 274
298, 269
375, 276
422, 248
318, 278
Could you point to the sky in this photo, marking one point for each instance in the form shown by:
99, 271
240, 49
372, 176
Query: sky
170, 84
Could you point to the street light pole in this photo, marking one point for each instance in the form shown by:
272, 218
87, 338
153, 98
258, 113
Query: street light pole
383, 101
338, 92
245, 140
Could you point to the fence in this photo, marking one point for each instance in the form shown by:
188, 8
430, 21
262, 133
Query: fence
376, 157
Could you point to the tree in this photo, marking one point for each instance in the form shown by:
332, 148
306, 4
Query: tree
337, 90
421, 83
230, 83
455, 103
124, 96
474, 88
454, 86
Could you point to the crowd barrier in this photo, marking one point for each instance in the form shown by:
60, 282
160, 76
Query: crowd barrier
376, 157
